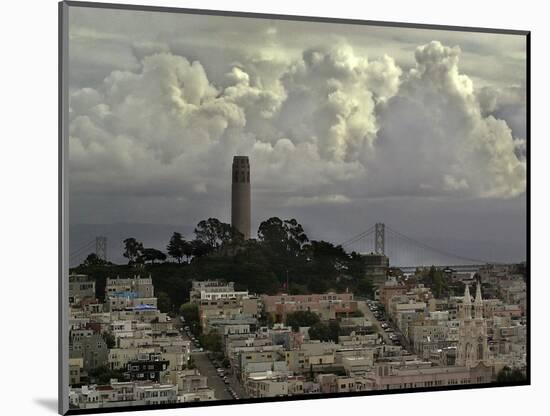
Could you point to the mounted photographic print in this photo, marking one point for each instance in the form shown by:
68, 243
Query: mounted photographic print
267, 208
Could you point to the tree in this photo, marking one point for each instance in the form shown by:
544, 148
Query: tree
356, 314
109, 340
103, 374
284, 237
187, 250
199, 248
301, 318
176, 247
365, 287
436, 281
190, 312
164, 303
509, 375
191, 363
93, 260
211, 341
215, 233
132, 249
152, 255
325, 332
319, 331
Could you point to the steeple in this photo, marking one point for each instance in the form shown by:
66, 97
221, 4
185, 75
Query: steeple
467, 304
478, 303
472, 345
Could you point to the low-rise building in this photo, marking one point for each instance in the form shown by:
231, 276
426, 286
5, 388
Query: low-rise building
81, 288
326, 305
92, 349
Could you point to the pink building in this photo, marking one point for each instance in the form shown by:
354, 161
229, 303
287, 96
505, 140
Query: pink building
326, 305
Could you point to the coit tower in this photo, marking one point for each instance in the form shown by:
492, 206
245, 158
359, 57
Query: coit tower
240, 195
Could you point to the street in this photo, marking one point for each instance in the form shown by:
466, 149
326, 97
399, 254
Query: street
206, 368
214, 381
363, 307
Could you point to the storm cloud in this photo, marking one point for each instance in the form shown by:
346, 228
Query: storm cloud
155, 120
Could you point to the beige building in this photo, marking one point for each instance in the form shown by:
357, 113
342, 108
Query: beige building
141, 286
81, 288
388, 378
267, 384
76, 366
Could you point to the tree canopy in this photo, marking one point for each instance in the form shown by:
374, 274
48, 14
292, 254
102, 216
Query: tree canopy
509, 375
301, 318
282, 253
132, 249
215, 233
176, 247
152, 255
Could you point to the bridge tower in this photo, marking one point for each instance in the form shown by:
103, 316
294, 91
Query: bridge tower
101, 247
379, 238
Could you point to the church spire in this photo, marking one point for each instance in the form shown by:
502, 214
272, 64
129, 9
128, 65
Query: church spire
467, 303
478, 303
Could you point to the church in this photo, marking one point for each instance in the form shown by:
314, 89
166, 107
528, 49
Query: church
472, 332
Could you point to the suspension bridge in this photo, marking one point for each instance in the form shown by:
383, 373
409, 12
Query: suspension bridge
97, 246
404, 251
407, 252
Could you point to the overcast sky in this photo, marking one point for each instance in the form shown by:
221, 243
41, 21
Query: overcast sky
344, 125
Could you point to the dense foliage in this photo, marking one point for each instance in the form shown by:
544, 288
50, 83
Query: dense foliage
327, 331
282, 259
509, 375
103, 375
211, 341
301, 318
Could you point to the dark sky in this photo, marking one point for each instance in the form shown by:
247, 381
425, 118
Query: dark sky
345, 126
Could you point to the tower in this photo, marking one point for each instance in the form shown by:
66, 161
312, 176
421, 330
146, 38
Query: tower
472, 333
379, 238
101, 247
240, 195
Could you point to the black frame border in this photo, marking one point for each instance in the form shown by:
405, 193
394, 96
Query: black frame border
63, 211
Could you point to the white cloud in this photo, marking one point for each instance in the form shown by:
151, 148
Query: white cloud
331, 122
436, 133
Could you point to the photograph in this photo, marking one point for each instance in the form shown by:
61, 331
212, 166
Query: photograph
264, 208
